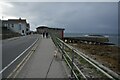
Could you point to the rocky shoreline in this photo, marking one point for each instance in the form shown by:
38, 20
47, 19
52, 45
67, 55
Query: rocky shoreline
105, 54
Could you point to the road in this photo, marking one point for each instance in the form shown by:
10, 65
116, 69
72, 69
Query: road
42, 63
14, 47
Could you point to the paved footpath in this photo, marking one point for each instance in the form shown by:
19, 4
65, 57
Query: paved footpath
38, 65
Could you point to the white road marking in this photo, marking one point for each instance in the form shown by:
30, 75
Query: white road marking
17, 57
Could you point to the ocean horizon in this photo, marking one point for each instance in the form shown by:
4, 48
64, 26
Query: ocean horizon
113, 38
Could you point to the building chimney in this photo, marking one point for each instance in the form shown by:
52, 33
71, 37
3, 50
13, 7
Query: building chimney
20, 18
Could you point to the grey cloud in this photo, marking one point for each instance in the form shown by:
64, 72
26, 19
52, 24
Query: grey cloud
96, 17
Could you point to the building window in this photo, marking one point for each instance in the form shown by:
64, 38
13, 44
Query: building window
4, 25
12, 25
19, 26
22, 31
27, 29
8, 25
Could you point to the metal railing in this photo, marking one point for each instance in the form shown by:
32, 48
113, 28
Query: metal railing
76, 60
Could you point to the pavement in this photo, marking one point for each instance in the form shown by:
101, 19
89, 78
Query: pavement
11, 48
42, 63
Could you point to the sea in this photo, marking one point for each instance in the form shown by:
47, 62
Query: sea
113, 38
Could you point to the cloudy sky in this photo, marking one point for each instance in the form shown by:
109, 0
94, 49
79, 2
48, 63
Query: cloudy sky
75, 17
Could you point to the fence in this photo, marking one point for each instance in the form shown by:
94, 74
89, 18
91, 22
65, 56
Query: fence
75, 61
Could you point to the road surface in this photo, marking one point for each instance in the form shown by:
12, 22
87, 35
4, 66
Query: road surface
14, 47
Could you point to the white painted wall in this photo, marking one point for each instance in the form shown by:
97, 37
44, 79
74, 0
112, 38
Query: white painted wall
19, 27
0, 23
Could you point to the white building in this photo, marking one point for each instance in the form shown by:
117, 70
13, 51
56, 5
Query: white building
0, 23
0, 27
17, 25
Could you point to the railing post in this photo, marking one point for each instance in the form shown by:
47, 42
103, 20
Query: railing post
63, 50
72, 65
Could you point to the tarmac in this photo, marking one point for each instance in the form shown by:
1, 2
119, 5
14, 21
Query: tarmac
42, 63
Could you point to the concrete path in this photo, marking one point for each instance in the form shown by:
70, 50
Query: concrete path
38, 65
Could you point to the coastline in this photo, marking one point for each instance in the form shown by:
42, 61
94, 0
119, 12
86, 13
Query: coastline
113, 38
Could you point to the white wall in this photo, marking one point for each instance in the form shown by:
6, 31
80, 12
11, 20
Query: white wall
17, 28
0, 28
0, 23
